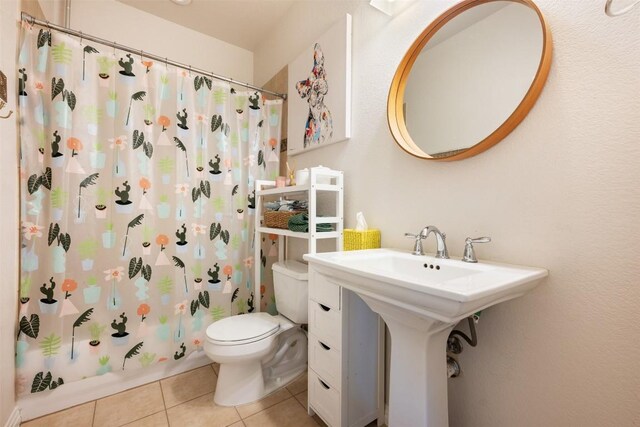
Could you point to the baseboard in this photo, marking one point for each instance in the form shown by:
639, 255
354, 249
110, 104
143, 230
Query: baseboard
36, 405
14, 419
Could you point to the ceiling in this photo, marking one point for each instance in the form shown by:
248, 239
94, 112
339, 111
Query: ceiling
243, 23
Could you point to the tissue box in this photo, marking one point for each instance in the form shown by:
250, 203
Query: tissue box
366, 239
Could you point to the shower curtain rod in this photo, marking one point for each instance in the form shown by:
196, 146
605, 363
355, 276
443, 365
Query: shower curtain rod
33, 20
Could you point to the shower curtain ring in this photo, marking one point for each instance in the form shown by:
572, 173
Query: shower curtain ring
48, 25
141, 54
189, 70
80, 38
166, 65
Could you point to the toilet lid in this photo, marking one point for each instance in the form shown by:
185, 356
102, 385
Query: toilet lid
244, 328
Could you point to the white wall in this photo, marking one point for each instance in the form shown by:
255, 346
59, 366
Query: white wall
9, 213
132, 27
562, 192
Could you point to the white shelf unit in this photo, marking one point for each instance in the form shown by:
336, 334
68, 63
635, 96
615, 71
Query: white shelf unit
321, 180
345, 381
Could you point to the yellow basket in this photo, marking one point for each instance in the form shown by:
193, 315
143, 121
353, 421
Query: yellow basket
366, 239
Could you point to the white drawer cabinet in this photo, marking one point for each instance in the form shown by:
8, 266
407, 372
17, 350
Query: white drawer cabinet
326, 323
325, 291
325, 360
326, 399
343, 355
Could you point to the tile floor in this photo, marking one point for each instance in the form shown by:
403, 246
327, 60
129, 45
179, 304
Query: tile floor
186, 400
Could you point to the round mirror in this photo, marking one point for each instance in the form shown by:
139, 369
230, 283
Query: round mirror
469, 78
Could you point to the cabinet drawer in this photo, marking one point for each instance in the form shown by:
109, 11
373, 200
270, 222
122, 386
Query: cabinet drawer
326, 324
324, 290
324, 399
325, 360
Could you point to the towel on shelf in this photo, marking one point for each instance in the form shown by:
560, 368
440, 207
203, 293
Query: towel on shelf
286, 205
300, 223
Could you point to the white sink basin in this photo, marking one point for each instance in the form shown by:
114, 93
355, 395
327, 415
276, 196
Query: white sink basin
421, 299
445, 289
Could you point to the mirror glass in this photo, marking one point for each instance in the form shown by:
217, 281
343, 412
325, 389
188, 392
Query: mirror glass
466, 76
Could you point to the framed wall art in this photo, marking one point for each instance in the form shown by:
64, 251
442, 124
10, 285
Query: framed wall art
319, 91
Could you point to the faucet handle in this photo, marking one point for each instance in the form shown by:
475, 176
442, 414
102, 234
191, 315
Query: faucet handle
478, 240
469, 252
417, 248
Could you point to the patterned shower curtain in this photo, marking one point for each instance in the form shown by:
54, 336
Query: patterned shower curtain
136, 208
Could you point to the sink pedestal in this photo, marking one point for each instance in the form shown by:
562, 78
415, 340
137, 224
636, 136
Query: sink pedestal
421, 299
418, 375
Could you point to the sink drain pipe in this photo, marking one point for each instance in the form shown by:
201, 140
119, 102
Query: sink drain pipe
455, 346
473, 341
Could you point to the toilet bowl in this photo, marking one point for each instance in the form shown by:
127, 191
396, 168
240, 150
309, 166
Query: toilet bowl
257, 352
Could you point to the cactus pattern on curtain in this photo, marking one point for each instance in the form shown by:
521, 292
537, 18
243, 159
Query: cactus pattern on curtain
137, 208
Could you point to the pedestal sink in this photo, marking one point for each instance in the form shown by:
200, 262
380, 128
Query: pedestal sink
421, 299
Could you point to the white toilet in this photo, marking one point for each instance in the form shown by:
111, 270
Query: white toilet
259, 353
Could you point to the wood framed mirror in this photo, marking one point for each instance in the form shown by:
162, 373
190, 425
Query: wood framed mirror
469, 79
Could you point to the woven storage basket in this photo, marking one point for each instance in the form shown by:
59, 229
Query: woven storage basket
365, 239
278, 219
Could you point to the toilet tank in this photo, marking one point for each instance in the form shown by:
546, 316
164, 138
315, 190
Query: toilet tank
291, 285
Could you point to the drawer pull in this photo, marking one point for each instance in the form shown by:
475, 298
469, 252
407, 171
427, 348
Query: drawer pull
323, 384
324, 307
323, 345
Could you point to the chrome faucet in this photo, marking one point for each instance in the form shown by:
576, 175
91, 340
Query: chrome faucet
441, 248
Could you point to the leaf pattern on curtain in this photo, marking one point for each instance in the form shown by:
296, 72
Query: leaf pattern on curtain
137, 208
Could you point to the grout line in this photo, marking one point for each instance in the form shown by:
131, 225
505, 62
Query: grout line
266, 397
166, 415
193, 398
146, 416
301, 404
181, 373
164, 403
239, 416
124, 391
95, 406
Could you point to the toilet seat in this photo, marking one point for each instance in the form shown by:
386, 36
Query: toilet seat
243, 329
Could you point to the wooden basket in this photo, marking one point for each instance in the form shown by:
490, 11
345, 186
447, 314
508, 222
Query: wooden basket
279, 219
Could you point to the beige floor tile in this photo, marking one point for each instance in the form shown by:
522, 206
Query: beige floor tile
319, 421
238, 424
78, 416
303, 398
285, 414
156, 420
262, 404
202, 412
181, 388
298, 385
128, 406
216, 367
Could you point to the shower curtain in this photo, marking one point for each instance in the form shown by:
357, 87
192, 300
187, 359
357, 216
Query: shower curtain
136, 207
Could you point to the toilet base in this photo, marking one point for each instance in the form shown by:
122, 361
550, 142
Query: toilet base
230, 391
242, 383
